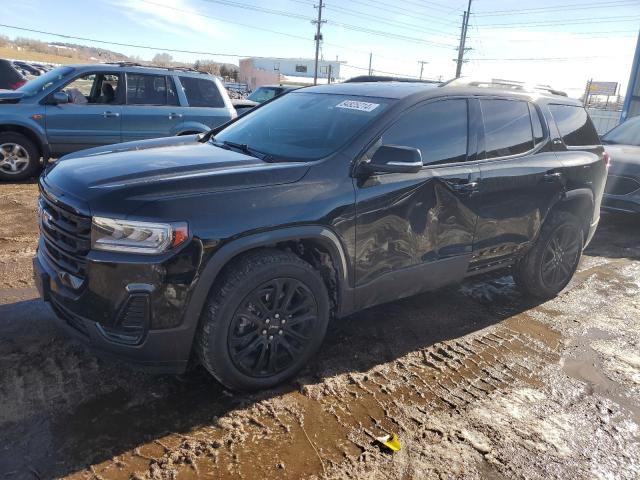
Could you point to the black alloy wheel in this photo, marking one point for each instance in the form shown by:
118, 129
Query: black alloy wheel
560, 256
272, 327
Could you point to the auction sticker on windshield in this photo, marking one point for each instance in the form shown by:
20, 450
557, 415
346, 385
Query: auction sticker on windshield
356, 105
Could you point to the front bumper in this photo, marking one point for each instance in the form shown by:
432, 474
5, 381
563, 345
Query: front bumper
164, 350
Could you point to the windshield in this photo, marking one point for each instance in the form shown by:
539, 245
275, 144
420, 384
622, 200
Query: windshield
627, 133
263, 94
304, 126
41, 83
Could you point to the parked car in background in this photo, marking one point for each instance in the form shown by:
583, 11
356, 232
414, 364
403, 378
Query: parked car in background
261, 95
622, 193
11, 77
81, 106
238, 246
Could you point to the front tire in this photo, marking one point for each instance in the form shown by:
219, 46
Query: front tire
549, 266
19, 157
263, 321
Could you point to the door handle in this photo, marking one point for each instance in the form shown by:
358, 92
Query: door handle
175, 115
466, 187
110, 114
552, 177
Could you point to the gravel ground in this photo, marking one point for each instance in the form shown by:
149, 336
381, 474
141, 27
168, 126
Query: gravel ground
475, 381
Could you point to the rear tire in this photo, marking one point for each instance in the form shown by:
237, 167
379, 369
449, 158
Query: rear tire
19, 157
263, 320
549, 266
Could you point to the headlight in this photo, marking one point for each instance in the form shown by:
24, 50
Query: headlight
136, 237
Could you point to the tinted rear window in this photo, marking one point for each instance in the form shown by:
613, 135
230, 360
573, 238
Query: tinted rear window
201, 92
507, 127
575, 125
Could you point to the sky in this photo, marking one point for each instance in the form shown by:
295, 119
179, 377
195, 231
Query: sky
563, 44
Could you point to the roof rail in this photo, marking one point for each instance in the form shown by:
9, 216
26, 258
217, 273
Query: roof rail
385, 78
125, 64
177, 68
504, 84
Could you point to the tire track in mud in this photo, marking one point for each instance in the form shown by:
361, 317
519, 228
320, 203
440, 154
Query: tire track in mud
338, 417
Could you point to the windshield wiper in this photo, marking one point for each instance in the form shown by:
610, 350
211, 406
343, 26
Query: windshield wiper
244, 148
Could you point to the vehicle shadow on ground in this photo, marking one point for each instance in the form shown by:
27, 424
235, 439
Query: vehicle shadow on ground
120, 409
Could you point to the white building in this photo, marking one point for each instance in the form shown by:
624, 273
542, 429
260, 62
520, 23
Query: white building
265, 71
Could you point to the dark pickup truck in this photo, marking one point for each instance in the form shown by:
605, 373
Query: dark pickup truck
235, 248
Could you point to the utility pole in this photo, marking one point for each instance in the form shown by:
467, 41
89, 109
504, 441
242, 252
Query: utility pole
421, 62
318, 39
463, 40
370, 58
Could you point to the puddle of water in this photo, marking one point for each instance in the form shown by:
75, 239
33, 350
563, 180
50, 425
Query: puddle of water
586, 365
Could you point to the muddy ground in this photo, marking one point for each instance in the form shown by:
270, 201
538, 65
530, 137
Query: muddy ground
475, 381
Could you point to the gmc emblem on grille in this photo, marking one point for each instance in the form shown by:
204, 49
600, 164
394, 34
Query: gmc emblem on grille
46, 218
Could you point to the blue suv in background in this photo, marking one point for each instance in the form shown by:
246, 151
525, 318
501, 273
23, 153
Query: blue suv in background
75, 107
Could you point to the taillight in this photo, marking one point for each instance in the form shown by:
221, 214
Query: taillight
606, 158
17, 85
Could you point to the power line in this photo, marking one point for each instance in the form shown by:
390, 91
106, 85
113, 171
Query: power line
402, 11
576, 21
382, 33
156, 48
256, 8
343, 25
555, 59
198, 14
393, 23
121, 44
299, 37
567, 7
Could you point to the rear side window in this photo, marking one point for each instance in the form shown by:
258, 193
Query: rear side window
201, 92
575, 125
438, 130
507, 127
146, 89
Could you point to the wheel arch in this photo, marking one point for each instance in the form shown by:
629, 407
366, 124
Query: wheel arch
301, 241
36, 137
579, 202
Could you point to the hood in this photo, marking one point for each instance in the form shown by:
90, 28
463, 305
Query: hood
625, 159
116, 180
10, 96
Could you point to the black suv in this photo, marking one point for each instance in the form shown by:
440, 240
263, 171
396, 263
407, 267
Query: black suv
236, 247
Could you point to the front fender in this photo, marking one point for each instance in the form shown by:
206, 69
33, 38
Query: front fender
234, 248
38, 131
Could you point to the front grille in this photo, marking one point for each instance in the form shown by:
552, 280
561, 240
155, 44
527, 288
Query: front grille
617, 185
67, 240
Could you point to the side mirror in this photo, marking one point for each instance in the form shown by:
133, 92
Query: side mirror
395, 159
59, 98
